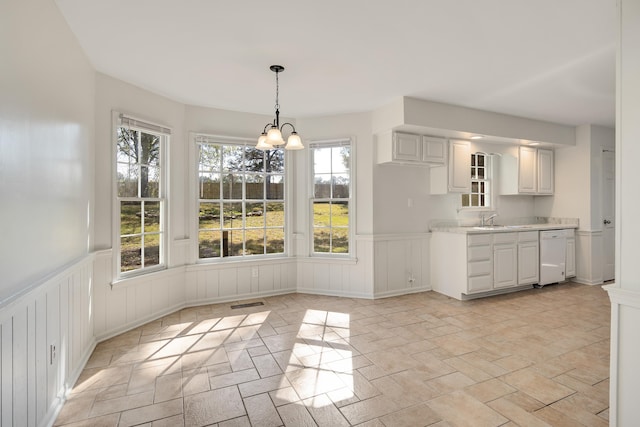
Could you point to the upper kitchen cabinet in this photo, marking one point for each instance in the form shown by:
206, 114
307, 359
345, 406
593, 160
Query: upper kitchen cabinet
455, 176
410, 149
530, 173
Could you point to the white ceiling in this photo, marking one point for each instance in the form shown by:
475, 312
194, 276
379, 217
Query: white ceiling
542, 59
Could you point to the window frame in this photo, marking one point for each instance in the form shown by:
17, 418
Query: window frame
196, 140
325, 143
119, 120
489, 180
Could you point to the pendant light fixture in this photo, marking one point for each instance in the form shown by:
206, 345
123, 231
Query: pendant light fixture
273, 136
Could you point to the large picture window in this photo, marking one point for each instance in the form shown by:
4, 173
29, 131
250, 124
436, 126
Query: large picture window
241, 199
331, 199
140, 195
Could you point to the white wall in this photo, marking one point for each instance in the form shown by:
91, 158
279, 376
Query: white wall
46, 187
46, 145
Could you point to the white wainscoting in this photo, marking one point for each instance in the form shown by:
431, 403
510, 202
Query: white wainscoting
401, 264
589, 257
129, 303
348, 277
56, 312
232, 281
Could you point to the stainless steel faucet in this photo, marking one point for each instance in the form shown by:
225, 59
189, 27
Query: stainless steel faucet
483, 220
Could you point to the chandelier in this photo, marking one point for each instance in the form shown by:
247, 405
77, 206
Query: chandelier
271, 138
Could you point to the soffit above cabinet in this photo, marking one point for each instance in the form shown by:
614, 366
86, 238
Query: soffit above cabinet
450, 121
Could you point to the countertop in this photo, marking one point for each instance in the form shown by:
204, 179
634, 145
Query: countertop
500, 228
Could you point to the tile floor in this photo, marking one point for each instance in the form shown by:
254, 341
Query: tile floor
533, 358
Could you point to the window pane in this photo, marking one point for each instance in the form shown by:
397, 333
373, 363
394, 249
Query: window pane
149, 181
209, 244
151, 250
255, 214
210, 156
232, 186
209, 185
235, 239
232, 213
209, 217
322, 186
340, 214
275, 161
465, 200
322, 240
480, 173
474, 200
480, 160
275, 187
130, 253
149, 150
340, 186
127, 146
340, 160
255, 186
340, 240
321, 214
130, 218
127, 180
474, 187
275, 214
275, 241
255, 241
151, 216
322, 160
232, 158
482, 200
253, 160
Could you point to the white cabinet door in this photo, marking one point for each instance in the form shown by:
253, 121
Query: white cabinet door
527, 180
407, 147
434, 150
570, 261
528, 263
459, 166
505, 266
545, 171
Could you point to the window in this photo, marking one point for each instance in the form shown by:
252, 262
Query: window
140, 195
480, 196
331, 200
241, 199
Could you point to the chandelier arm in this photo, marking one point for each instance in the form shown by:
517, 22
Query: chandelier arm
284, 124
266, 126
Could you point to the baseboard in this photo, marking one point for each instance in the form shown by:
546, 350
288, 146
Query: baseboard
331, 293
400, 292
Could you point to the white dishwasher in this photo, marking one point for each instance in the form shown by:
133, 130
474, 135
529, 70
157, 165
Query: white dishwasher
553, 255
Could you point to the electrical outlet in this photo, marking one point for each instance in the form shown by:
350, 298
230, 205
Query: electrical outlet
52, 354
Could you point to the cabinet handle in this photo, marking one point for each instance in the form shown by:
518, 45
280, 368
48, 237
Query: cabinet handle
607, 222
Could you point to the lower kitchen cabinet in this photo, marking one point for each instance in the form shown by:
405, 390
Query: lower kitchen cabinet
505, 260
528, 258
471, 265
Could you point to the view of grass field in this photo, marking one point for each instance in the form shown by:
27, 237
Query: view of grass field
135, 215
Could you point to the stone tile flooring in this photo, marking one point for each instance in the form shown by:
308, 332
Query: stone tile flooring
533, 358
